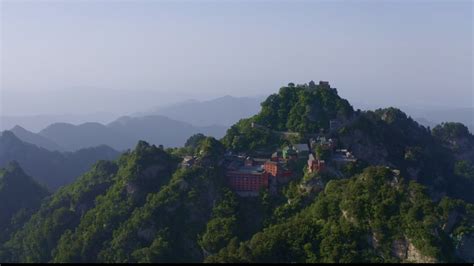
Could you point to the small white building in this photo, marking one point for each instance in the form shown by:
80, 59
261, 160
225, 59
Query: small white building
188, 161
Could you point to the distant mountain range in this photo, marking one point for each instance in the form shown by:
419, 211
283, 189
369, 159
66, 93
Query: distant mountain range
171, 125
432, 116
121, 134
36, 123
50, 168
157, 129
73, 137
225, 110
228, 110
36, 139
407, 196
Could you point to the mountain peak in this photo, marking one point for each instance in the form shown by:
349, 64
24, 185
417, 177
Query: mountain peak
36, 139
225, 97
8, 135
18, 128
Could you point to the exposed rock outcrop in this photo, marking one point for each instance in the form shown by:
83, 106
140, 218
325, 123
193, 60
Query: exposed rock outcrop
407, 252
414, 255
363, 148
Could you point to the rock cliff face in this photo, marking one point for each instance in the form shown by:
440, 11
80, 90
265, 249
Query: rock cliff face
414, 255
464, 248
399, 249
407, 252
313, 185
364, 148
374, 240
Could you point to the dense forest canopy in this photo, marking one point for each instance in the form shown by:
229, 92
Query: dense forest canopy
20, 195
407, 197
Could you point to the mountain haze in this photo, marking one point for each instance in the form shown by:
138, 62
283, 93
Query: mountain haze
36, 139
225, 110
35, 123
124, 132
408, 198
75, 137
52, 169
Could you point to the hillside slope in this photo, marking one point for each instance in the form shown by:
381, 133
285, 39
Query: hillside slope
14, 208
52, 169
372, 217
407, 198
36, 139
382, 137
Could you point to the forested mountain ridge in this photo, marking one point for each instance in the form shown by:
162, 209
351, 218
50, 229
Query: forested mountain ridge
405, 200
52, 169
137, 209
302, 109
20, 195
382, 137
371, 217
140, 191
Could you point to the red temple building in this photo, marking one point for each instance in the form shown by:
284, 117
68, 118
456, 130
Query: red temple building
272, 167
278, 170
315, 165
248, 178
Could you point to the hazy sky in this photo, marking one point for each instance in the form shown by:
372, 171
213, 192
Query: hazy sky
120, 56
